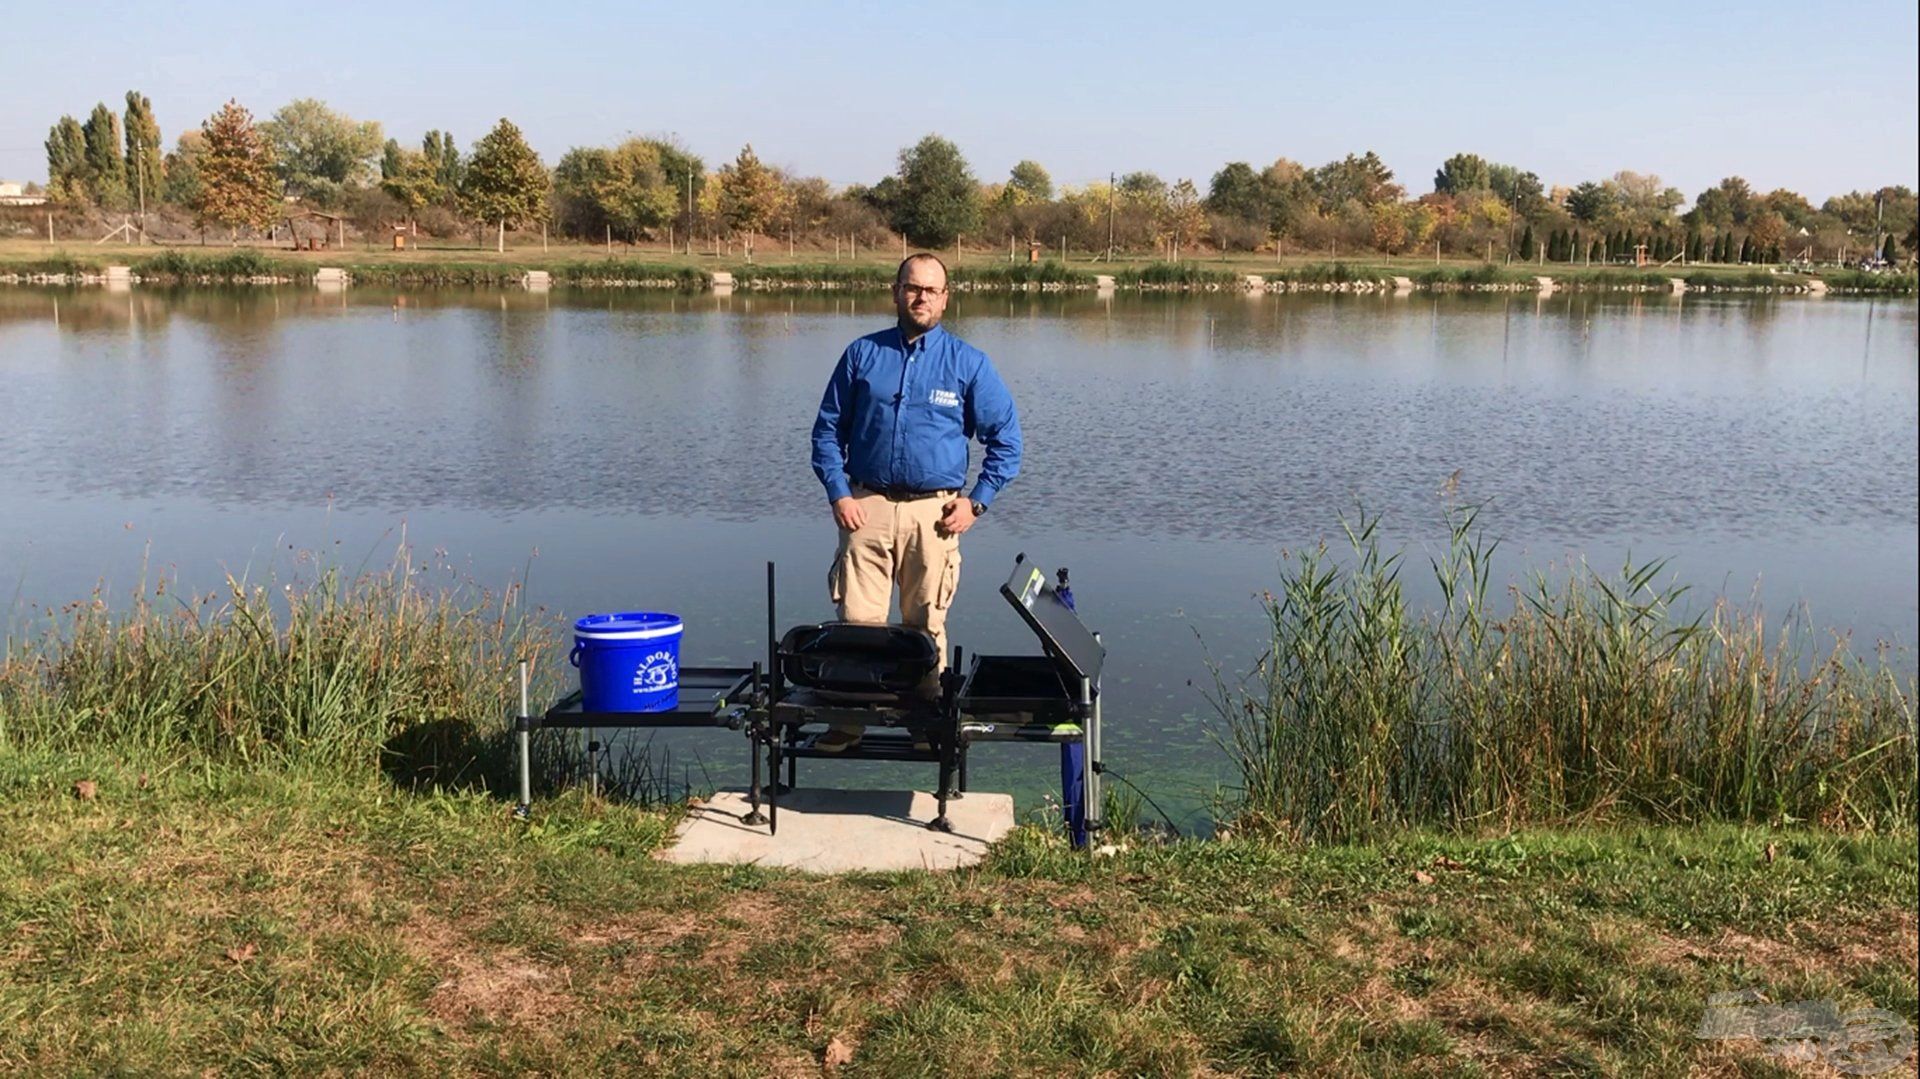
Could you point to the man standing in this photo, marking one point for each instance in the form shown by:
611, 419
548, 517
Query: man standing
890, 446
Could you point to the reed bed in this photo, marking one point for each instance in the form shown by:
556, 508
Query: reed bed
353, 673
1593, 697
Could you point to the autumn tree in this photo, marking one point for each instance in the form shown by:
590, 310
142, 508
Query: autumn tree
1768, 232
505, 182
237, 187
67, 161
751, 197
937, 199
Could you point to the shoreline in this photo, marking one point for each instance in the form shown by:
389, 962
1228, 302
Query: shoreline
252, 266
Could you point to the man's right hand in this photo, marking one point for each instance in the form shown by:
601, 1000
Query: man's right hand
848, 514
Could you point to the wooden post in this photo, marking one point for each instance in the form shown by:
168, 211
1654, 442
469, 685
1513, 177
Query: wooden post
500, 244
609, 241
670, 247
49, 226
543, 237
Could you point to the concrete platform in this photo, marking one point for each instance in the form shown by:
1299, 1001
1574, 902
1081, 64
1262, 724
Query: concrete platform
829, 831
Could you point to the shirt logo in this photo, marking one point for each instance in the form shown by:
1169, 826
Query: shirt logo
944, 398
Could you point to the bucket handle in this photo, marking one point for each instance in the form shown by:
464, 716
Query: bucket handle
574, 656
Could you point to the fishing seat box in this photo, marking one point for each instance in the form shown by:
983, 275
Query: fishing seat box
1035, 689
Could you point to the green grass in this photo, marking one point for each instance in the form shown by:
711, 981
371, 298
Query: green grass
1593, 696
191, 918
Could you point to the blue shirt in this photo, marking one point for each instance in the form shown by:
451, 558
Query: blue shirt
900, 415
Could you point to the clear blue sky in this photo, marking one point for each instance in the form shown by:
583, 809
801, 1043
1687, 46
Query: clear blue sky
1820, 98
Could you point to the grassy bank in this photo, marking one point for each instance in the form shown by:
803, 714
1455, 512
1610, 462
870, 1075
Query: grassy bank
587, 266
183, 918
266, 830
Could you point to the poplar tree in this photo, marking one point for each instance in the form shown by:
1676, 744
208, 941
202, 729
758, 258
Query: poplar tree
146, 170
67, 161
444, 157
505, 182
106, 168
236, 173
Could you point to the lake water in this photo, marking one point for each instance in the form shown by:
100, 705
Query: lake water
629, 450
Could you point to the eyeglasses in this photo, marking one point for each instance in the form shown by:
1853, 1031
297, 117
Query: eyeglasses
924, 290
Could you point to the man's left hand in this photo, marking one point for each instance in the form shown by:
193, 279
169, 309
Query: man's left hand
956, 516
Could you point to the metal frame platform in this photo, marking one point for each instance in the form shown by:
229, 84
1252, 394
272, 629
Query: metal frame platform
757, 701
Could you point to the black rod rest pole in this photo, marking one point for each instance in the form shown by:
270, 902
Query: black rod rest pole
753, 814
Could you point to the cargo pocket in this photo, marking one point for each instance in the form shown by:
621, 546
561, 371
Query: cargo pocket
949, 581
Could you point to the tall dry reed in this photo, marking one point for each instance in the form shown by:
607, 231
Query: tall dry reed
1593, 696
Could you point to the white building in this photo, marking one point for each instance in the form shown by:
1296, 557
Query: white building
13, 194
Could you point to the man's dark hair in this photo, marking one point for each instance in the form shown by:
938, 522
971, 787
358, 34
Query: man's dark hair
900, 275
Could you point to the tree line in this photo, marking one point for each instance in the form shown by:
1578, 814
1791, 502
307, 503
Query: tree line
235, 173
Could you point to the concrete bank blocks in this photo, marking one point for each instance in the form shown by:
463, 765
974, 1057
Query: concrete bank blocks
1402, 286
537, 280
1677, 284
1253, 282
1544, 284
833, 831
1816, 287
330, 277
722, 281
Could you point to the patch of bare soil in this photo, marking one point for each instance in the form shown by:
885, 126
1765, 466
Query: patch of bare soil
499, 986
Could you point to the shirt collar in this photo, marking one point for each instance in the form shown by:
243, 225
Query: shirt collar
923, 342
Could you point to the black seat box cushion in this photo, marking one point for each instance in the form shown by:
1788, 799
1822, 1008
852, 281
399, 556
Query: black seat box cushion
851, 657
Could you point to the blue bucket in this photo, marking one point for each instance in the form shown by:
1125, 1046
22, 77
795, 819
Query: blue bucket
629, 662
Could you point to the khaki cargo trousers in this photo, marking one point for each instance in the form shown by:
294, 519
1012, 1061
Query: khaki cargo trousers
898, 545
